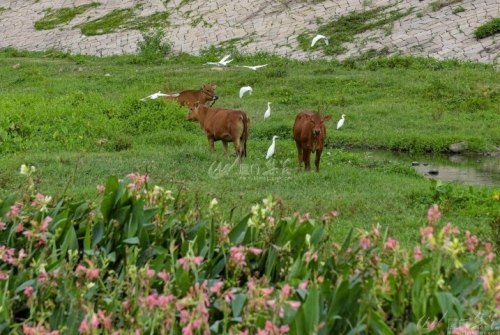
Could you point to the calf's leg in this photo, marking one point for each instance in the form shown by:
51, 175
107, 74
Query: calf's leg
307, 157
300, 154
318, 158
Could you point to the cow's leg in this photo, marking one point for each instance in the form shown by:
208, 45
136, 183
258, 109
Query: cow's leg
238, 148
318, 158
225, 149
307, 156
211, 143
300, 155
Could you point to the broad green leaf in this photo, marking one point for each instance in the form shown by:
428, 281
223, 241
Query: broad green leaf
450, 306
27, 283
86, 239
357, 330
237, 234
378, 325
97, 233
347, 242
417, 268
131, 240
7, 203
238, 303
80, 210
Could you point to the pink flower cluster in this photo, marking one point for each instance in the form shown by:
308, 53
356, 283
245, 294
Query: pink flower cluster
137, 180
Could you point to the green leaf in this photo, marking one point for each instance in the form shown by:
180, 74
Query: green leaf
131, 240
80, 210
86, 239
357, 330
7, 203
450, 306
417, 268
238, 303
237, 234
97, 233
378, 324
310, 308
346, 243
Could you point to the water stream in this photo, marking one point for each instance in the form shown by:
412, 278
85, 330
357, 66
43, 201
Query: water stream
476, 170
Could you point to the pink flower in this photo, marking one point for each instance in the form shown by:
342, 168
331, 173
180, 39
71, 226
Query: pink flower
94, 321
184, 261
471, 241
101, 188
84, 328
45, 224
426, 233
80, 269
19, 228
465, 330
255, 251
14, 211
28, 291
303, 285
198, 259
294, 305
164, 275
92, 273
433, 214
2, 225
237, 255
150, 273
216, 288
364, 242
418, 254
390, 244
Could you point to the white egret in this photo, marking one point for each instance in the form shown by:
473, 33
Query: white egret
159, 94
245, 89
223, 62
268, 111
255, 67
341, 122
270, 151
317, 38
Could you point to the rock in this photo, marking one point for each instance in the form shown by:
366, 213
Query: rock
433, 172
457, 147
415, 163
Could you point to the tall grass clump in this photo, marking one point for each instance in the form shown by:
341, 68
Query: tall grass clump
151, 259
153, 46
490, 28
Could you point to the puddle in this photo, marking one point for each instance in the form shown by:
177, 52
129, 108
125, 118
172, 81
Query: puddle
477, 170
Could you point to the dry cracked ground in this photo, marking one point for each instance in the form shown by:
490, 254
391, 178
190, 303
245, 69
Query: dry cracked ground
437, 28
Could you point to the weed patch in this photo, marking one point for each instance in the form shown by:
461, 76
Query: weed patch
123, 19
345, 28
490, 28
54, 18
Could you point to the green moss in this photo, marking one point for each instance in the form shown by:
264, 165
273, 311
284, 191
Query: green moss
123, 19
344, 28
54, 18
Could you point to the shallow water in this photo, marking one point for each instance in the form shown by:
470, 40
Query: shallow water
477, 170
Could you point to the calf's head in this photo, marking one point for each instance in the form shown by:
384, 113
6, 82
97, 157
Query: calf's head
209, 90
193, 112
316, 123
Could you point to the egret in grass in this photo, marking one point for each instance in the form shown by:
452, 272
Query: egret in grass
268, 111
317, 38
255, 67
341, 122
223, 62
270, 151
245, 89
159, 94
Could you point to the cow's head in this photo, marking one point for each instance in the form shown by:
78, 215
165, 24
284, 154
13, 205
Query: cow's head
193, 112
209, 90
316, 123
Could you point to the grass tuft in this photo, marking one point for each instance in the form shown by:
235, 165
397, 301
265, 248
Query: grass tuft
54, 18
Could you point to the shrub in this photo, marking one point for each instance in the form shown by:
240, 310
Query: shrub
155, 260
153, 45
488, 29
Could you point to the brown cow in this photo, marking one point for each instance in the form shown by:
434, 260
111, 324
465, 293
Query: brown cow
205, 94
309, 133
221, 124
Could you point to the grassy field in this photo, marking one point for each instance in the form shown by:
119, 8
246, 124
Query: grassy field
79, 119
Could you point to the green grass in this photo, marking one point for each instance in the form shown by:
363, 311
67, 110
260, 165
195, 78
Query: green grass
54, 18
77, 126
346, 27
123, 19
490, 28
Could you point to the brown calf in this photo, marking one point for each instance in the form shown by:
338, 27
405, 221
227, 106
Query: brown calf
224, 125
205, 94
309, 133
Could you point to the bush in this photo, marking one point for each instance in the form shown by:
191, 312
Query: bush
488, 29
153, 46
156, 260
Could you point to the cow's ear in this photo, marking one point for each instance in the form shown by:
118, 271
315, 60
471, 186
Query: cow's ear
327, 118
196, 104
